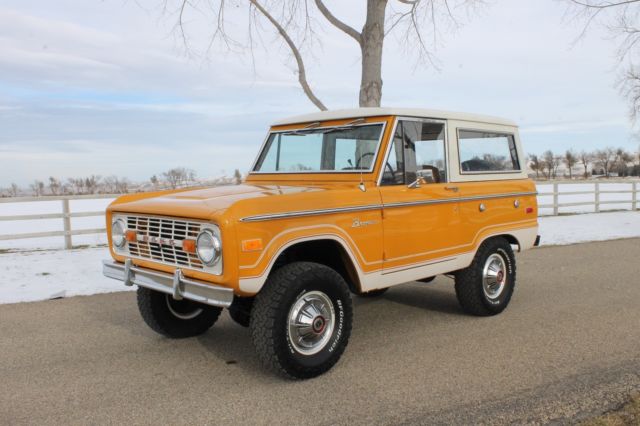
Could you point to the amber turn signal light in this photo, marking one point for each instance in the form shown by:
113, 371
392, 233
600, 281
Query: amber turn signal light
252, 245
189, 246
131, 236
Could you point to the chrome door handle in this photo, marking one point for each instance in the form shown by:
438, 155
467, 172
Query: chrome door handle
452, 188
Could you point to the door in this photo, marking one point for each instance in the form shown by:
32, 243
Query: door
420, 213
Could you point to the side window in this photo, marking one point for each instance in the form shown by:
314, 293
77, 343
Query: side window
487, 152
418, 151
424, 151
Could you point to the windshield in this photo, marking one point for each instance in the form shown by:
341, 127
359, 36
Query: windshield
320, 150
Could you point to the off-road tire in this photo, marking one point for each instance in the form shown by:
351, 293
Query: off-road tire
240, 310
374, 293
154, 308
272, 308
469, 281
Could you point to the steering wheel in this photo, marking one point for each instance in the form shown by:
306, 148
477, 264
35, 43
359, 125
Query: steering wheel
362, 157
388, 166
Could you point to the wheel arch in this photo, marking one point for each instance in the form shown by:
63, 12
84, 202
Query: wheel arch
326, 250
510, 237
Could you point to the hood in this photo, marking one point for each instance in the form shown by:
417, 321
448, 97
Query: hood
201, 203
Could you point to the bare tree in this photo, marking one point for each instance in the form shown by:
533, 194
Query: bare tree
416, 22
122, 185
570, 159
550, 161
179, 177
585, 160
91, 184
605, 158
37, 188
535, 164
155, 182
237, 176
55, 186
622, 19
622, 160
76, 185
14, 190
110, 184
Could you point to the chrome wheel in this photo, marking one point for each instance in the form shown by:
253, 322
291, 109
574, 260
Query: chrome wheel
494, 276
183, 309
311, 321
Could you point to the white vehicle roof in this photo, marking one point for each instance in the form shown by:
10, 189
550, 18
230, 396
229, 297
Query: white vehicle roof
405, 112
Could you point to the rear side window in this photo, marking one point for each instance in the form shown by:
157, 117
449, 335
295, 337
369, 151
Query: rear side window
487, 152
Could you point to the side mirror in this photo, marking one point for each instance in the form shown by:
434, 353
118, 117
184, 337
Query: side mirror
417, 183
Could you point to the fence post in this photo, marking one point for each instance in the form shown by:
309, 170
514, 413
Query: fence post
634, 196
555, 199
66, 220
597, 203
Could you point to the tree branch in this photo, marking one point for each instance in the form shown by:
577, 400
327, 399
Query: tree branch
302, 75
603, 6
338, 23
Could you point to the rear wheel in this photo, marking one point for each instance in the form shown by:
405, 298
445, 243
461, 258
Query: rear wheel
486, 286
175, 318
301, 320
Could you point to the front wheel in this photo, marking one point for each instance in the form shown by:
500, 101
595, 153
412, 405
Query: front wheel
175, 318
301, 320
486, 286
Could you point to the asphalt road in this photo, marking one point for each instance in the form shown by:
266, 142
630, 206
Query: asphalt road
568, 346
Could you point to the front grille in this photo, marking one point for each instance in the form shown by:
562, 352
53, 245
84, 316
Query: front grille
168, 229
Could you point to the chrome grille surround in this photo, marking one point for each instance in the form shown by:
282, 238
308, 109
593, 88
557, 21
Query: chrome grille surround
159, 239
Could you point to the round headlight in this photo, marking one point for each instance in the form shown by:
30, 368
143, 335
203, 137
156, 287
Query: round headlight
118, 233
208, 247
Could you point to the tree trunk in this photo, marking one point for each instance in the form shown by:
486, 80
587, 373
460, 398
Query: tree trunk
371, 48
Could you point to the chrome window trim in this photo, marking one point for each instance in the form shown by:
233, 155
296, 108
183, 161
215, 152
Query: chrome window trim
368, 171
493, 172
287, 215
217, 269
392, 135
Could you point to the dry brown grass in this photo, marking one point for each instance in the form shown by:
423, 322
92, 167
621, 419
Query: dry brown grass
628, 414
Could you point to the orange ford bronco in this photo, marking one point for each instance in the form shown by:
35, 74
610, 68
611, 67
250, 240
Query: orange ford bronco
336, 202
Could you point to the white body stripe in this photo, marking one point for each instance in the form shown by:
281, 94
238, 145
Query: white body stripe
383, 278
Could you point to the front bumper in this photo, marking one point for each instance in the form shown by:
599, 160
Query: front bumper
176, 285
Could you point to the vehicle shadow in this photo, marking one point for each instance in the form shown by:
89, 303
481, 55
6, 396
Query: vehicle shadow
417, 295
229, 345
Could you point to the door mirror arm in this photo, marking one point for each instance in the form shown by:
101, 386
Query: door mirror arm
417, 183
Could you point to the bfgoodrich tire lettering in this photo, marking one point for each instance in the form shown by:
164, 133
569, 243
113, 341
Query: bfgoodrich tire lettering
486, 286
301, 285
175, 318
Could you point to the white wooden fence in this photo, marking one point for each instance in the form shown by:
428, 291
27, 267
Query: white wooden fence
66, 216
593, 195
593, 198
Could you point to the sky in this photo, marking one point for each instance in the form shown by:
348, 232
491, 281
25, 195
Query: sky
107, 87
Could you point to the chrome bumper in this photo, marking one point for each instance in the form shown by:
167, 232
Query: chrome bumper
176, 285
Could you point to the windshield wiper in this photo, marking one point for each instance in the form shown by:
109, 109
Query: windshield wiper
311, 128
